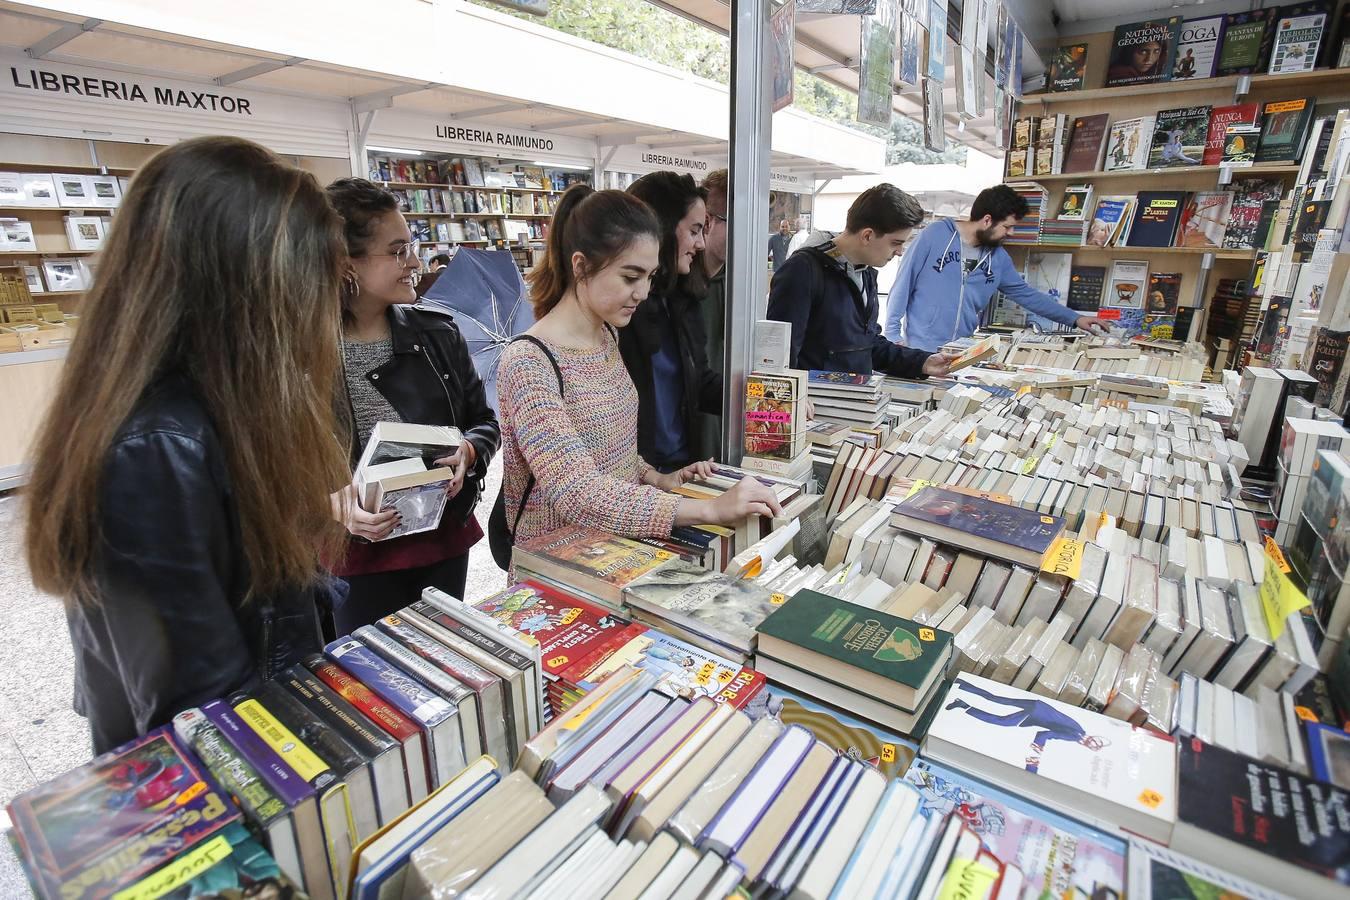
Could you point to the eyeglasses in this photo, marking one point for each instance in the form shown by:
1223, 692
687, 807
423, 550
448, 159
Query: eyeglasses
407, 254
713, 215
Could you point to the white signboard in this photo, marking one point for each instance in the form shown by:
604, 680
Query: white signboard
397, 128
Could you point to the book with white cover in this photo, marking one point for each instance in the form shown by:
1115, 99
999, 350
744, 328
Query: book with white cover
74, 191
1101, 770
38, 190
84, 232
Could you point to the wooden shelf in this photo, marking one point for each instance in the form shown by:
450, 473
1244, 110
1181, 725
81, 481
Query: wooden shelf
72, 211
1254, 171
58, 168
1126, 251
1200, 85
465, 187
48, 253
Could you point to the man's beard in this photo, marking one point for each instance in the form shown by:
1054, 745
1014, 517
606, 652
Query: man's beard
985, 238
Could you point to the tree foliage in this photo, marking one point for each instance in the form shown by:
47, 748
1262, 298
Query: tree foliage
650, 32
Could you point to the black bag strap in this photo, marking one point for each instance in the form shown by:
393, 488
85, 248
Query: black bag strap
553, 361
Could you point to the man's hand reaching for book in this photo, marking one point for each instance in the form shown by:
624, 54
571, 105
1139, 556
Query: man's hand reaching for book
937, 365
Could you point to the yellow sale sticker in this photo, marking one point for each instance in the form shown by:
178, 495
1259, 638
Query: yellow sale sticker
927, 634
918, 485
888, 753
1065, 557
1151, 798
1280, 598
778, 599
967, 878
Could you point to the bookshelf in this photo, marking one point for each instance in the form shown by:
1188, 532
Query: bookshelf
1263, 170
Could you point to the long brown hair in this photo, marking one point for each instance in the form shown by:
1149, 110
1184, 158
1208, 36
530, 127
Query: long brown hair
598, 224
222, 265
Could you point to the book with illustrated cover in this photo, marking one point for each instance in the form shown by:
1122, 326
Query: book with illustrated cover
1048, 273
235, 864
1160, 308
888, 753
884, 656
774, 425
1247, 38
1100, 770
1143, 52
594, 562
1075, 203
1128, 143
1087, 143
1284, 129
1157, 218
1237, 114
567, 628
1179, 137
710, 608
1109, 219
1068, 67
398, 470
1328, 358
1085, 288
1280, 829
1157, 873
1298, 38
1204, 221
1244, 216
1198, 48
107, 824
1126, 287
1058, 856
982, 526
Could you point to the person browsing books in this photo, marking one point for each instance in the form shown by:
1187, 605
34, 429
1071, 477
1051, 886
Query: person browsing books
184, 512
578, 439
953, 270
664, 345
827, 290
402, 363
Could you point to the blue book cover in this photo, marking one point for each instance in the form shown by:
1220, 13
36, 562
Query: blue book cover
397, 687
1001, 523
1106, 221
285, 782
1329, 754
1156, 217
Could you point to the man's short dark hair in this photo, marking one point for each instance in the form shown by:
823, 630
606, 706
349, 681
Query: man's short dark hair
999, 202
884, 209
441, 259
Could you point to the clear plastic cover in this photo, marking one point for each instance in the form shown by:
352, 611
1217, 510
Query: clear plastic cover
1166, 629
1010, 660
1099, 691
700, 808
1139, 605
1055, 673
1131, 682
1084, 669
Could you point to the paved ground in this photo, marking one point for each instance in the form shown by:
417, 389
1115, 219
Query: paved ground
40, 735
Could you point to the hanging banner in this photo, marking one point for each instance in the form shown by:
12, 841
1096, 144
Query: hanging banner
876, 63
400, 128
782, 37
937, 40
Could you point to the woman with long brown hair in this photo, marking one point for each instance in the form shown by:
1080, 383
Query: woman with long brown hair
181, 503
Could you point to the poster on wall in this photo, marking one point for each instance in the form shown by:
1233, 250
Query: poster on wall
782, 34
876, 62
838, 7
937, 40
934, 127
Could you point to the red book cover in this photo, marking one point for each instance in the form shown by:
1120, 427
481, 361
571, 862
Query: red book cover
1219, 120
566, 627
360, 696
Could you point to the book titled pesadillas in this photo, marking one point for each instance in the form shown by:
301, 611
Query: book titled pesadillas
885, 656
984, 526
1100, 770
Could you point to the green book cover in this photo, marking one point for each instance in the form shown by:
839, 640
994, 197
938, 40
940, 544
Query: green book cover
894, 648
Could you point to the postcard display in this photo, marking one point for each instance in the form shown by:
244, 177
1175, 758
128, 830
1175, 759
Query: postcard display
1154, 175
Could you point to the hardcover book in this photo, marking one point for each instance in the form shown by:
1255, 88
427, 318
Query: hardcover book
1247, 38
1108, 221
1068, 65
1101, 770
1160, 309
1143, 52
1086, 143
1204, 221
710, 606
979, 525
1284, 130
1198, 48
1127, 145
595, 562
1085, 288
1244, 216
1156, 218
884, 656
1179, 137
1298, 38
1219, 121
682, 669
1128, 279
102, 827
1266, 823
773, 425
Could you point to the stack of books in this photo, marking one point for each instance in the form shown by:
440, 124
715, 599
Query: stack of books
854, 400
1028, 229
775, 424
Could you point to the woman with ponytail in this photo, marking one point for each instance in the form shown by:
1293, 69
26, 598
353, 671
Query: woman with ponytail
570, 434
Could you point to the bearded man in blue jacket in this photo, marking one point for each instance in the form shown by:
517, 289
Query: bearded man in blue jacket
948, 276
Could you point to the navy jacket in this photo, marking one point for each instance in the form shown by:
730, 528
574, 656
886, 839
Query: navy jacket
834, 324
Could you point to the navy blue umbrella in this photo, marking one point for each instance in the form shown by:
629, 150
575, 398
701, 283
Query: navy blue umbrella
483, 290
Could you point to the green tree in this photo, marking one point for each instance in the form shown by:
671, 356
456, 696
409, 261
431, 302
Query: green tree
656, 34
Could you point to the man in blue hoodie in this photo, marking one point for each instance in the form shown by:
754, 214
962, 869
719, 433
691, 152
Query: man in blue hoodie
827, 290
950, 273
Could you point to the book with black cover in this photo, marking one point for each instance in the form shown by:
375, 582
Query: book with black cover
982, 526
1262, 822
1179, 137
1245, 217
1156, 218
1068, 66
1328, 358
1085, 288
1246, 43
1143, 52
1312, 218
1284, 129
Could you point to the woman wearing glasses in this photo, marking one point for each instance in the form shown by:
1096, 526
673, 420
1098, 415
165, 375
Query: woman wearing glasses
402, 363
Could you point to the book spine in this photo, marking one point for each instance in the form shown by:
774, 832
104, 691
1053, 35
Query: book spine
398, 655
399, 688
351, 689
317, 697
290, 748
229, 767
472, 635
434, 652
287, 784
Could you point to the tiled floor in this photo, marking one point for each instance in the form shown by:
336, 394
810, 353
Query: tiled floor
40, 735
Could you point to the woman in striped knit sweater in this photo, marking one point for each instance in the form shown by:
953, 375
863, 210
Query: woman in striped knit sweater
581, 443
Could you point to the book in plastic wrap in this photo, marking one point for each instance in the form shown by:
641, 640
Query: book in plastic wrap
594, 562
707, 605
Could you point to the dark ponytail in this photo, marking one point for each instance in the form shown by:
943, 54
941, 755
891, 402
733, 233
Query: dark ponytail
598, 224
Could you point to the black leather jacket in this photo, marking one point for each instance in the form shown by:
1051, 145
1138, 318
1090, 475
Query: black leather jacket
171, 627
432, 381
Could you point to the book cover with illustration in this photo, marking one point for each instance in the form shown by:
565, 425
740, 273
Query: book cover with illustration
1157, 873
1058, 856
772, 424
1000, 523
682, 669
567, 628
1284, 129
1143, 52
1198, 48
1247, 38
890, 754
1244, 216
1220, 118
1128, 142
1298, 39
1085, 288
1108, 221
1068, 66
102, 827
589, 554
1204, 221
716, 606
890, 646
234, 864
1160, 307
1100, 760
1179, 137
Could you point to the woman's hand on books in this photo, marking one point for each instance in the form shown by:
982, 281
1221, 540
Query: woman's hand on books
748, 498
937, 365
358, 522
461, 461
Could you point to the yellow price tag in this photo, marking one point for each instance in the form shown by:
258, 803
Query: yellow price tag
754, 389
557, 662
1275, 553
1307, 715
927, 634
1280, 598
706, 672
1023, 391
1030, 465
1054, 439
888, 753
918, 486
1151, 798
1065, 557
778, 599
967, 878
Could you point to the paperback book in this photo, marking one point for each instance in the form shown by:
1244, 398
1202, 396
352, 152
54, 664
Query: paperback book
1284, 129
1204, 221
982, 526
711, 609
1128, 279
1220, 119
594, 562
1143, 52
1179, 137
1109, 220
1068, 66
1198, 48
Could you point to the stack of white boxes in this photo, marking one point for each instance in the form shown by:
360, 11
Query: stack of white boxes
1299, 443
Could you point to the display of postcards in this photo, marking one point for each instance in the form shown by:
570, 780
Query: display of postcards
1198, 48
84, 232
1204, 221
1143, 52
16, 236
63, 275
937, 40
1179, 137
33, 276
11, 189
104, 191
1068, 66
39, 190
74, 191
911, 43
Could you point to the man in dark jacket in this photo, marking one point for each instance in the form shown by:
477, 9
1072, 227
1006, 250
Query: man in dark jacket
827, 290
